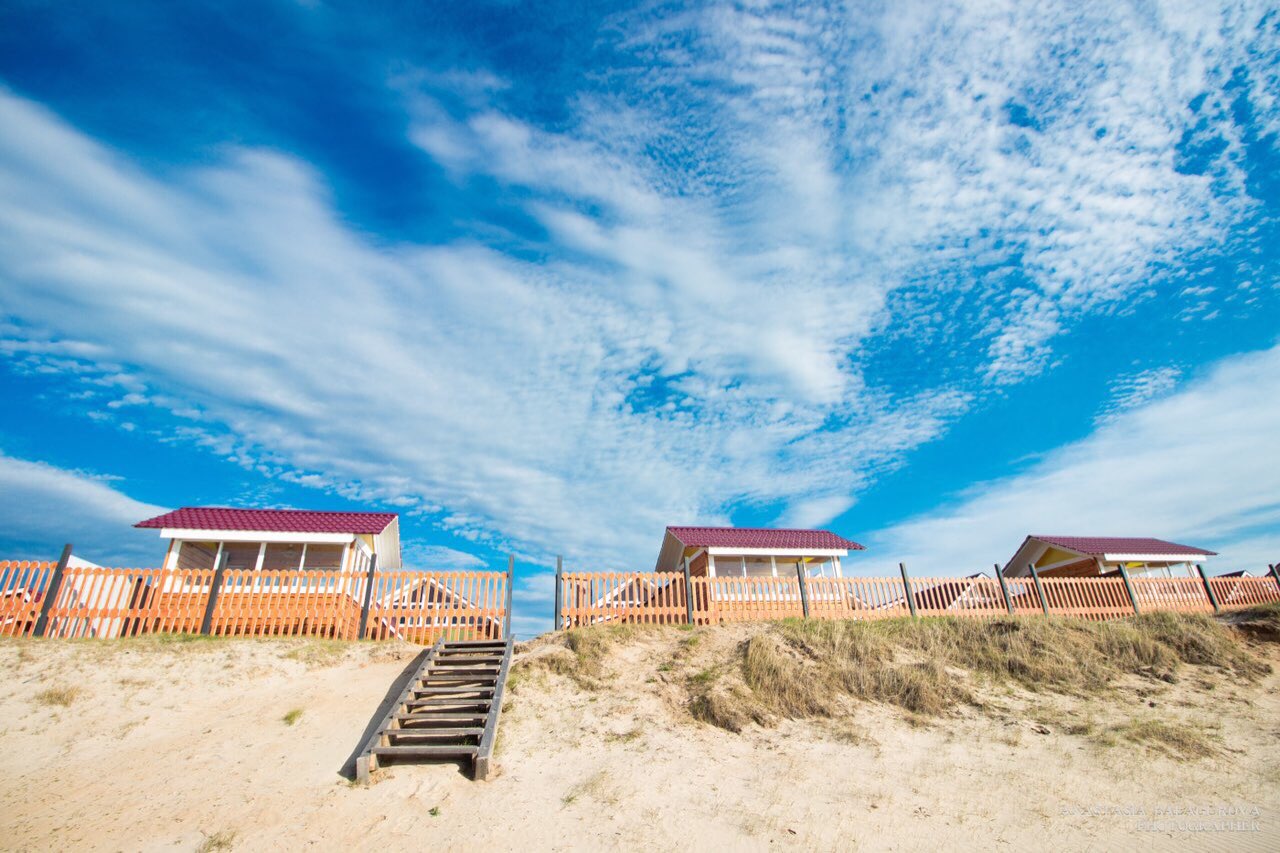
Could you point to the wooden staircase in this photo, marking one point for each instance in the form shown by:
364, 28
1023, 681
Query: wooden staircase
448, 711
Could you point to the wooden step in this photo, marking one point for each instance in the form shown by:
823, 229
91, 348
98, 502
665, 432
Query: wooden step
425, 751
458, 681
465, 662
449, 703
459, 732
429, 717
435, 691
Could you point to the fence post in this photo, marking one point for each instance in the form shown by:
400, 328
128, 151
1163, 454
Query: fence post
804, 588
906, 586
688, 593
1044, 602
51, 591
511, 582
367, 604
1133, 599
1004, 589
215, 587
1213, 599
559, 591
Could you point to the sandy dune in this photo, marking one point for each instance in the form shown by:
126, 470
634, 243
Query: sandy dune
184, 746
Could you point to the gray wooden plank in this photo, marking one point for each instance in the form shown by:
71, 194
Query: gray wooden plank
483, 758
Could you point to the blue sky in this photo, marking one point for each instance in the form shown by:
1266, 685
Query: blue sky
546, 279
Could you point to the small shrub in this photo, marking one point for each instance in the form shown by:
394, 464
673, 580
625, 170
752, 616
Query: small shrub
292, 716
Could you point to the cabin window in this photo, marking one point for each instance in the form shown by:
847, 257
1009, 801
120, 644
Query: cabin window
282, 556
241, 555
197, 555
759, 567
822, 568
327, 557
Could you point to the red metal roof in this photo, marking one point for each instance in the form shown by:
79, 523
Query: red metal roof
761, 537
274, 520
1096, 546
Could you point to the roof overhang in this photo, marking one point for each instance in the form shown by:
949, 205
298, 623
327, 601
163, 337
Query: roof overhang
197, 535
724, 551
1154, 558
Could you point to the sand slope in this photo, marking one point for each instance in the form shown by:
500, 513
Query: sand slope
183, 746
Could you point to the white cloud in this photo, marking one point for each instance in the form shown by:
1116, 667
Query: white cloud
503, 397
416, 555
924, 141
43, 507
1135, 389
1199, 466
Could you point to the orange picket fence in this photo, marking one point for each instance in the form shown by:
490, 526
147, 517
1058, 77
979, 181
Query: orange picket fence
415, 606
958, 597
744, 599
651, 598
422, 607
1183, 595
22, 585
855, 598
591, 598
292, 603
1237, 592
128, 602
1087, 598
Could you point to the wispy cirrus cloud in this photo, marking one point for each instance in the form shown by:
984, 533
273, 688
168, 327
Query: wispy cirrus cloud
1134, 389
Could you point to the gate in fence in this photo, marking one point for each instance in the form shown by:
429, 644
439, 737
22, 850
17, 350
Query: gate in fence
58, 600
675, 598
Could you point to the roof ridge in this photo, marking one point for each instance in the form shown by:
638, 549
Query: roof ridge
722, 527
289, 509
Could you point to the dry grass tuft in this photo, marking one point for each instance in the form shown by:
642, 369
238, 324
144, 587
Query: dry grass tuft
222, 840
598, 787
61, 697
1177, 740
318, 654
806, 668
728, 705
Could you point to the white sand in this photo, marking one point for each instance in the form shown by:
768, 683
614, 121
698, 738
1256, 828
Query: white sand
174, 747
